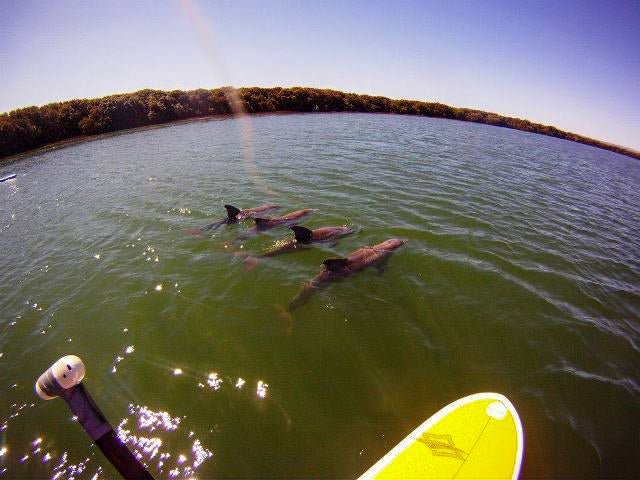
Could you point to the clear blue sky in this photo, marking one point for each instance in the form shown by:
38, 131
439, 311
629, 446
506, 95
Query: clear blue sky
571, 63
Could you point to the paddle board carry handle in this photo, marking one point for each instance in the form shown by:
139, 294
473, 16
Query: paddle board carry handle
63, 379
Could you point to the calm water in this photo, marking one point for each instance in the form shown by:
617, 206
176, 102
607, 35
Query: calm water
521, 276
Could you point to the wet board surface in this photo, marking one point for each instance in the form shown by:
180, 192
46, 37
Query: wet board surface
479, 436
8, 177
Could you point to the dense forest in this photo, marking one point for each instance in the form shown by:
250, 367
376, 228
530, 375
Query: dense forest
32, 127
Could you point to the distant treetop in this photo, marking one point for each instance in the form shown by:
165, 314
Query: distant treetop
32, 127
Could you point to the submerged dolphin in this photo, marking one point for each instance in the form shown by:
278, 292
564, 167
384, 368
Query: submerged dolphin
291, 217
303, 237
235, 215
263, 224
338, 268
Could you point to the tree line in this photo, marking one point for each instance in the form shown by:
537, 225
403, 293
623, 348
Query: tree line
32, 127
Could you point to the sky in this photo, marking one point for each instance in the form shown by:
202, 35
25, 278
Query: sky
574, 64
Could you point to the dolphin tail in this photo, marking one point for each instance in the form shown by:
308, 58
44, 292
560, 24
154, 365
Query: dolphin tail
301, 233
286, 318
232, 212
301, 297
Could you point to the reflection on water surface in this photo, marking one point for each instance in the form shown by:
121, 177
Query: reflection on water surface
520, 276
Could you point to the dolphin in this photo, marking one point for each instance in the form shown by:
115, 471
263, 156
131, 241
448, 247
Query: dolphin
338, 268
235, 214
302, 238
291, 217
263, 224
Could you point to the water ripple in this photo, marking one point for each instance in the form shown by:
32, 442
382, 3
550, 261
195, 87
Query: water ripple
521, 274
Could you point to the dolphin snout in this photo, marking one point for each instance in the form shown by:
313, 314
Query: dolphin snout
392, 244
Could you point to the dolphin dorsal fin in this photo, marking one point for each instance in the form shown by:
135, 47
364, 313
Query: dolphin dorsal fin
335, 264
232, 212
302, 234
260, 222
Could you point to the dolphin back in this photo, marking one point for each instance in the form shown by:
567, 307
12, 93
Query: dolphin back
389, 245
261, 222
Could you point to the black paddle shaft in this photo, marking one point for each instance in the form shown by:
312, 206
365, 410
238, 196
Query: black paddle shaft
101, 432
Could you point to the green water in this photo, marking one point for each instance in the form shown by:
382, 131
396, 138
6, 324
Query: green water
521, 275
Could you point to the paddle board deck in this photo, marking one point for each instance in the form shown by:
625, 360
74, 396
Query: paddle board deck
479, 436
8, 177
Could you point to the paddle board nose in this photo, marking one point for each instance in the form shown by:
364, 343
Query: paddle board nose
479, 436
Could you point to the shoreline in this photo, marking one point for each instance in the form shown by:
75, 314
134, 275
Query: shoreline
69, 142
77, 140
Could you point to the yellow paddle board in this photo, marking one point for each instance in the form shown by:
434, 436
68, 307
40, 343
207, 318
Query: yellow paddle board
479, 436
